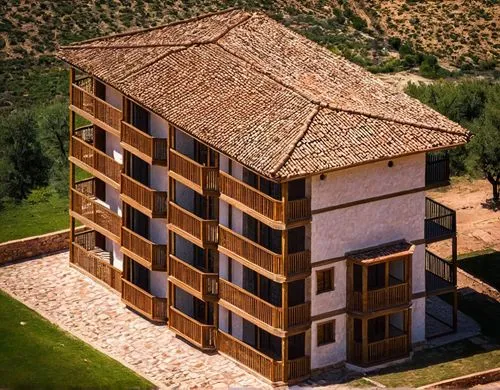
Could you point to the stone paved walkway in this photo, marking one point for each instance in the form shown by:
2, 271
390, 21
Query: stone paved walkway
90, 311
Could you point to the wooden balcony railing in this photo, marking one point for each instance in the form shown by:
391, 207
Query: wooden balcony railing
86, 187
97, 267
150, 306
437, 170
262, 310
440, 221
298, 209
97, 108
201, 178
153, 150
251, 304
379, 351
264, 258
250, 357
440, 274
147, 200
262, 204
202, 335
93, 212
149, 254
202, 230
96, 160
269, 368
202, 282
380, 298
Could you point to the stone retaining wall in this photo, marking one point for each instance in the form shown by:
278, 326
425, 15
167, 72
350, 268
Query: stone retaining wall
34, 246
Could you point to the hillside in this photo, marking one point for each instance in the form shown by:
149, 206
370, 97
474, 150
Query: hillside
384, 36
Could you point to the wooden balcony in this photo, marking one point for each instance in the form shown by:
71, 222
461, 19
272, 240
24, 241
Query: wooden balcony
272, 370
266, 314
141, 301
263, 260
151, 149
95, 215
95, 162
96, 266
378, 299
96, 110
200, 231
440, 275
148, 201
150, 255
261, 206
202, 335
379, 351
437, 170
200, 178
440, 222
201, 284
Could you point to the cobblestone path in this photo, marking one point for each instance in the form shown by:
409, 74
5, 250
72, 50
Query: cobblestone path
95, 314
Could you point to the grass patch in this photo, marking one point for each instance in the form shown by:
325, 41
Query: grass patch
44, 211
446, 362
40, 355
484, 265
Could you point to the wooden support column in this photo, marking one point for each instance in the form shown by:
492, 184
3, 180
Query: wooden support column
454, 258
284, 357
71, 166
284, 200
364, 288
364, 340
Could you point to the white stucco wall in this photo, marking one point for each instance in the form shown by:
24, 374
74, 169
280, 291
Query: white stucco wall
158, 231
159, 126
113, 148
158, 284
339, 231
158, 178
331, 300
418, 320
113, 97
418, 269
113, 199
333, 353
367, 181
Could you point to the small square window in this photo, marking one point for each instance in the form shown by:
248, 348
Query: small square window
326, 333
325, 280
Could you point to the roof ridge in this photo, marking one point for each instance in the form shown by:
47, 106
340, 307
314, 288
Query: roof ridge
328, 105
301, 134
184, 47
133, 32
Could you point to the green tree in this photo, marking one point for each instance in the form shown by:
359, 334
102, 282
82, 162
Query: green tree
485, 145
23, 165
53, 122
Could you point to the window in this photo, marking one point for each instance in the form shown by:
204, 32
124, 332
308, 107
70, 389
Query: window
326, 333
325, 280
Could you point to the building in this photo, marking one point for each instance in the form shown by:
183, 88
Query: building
259, 195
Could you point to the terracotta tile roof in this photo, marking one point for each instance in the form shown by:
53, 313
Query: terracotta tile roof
264, 95
381, 252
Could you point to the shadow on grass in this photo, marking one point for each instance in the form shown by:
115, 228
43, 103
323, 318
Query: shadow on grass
484, 265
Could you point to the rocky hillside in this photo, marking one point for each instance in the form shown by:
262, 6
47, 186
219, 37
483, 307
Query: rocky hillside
457, 31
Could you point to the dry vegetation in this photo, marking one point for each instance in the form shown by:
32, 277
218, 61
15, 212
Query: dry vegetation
457, 30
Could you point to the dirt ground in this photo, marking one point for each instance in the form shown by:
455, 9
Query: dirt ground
478, 225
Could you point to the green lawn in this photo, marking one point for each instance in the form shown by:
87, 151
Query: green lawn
446, 362
36, 354
44, 211
484, 265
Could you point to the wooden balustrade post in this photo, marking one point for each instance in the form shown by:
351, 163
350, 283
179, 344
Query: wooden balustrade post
386, 285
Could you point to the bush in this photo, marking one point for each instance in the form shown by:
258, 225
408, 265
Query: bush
395, 43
